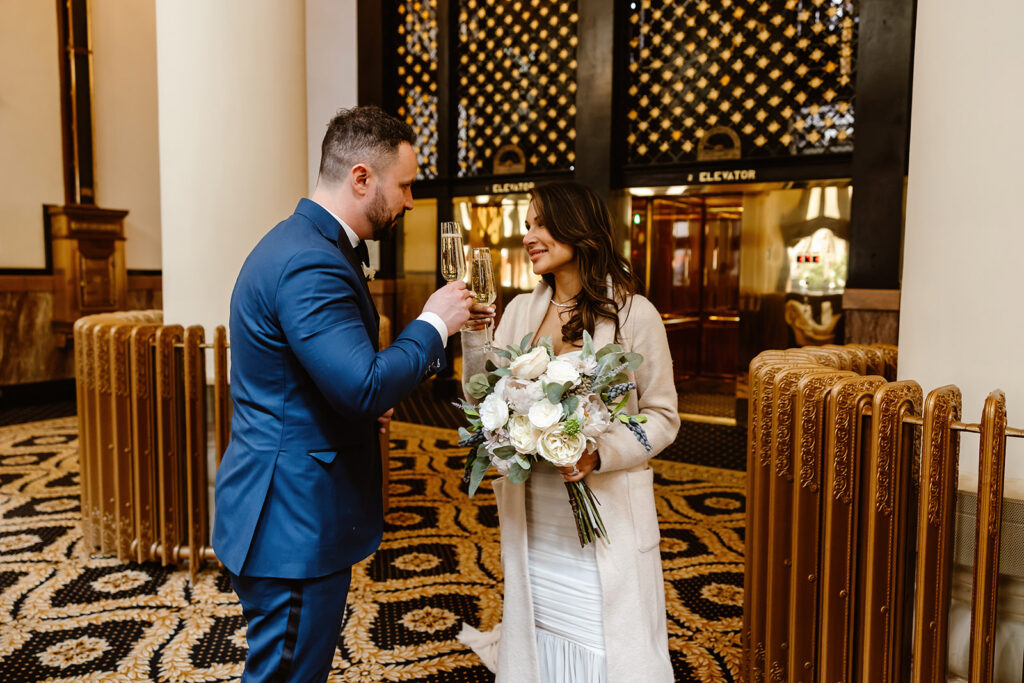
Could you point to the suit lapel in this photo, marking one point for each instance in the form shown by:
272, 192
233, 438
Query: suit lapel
331, 230
346, 248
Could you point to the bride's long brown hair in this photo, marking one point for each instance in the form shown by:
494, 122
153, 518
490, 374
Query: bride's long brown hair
577, 216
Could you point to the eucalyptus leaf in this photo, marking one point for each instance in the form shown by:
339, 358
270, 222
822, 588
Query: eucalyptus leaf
522, 462
501, 372
476, 475
546, 343
513, 352
478, 386
524, 345
554, 392
570, 404
632, 360
505, 452
464, 433
516, 474
503, 353
608, 348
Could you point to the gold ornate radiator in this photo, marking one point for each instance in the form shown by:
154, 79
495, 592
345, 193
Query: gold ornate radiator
143, 425
852, 481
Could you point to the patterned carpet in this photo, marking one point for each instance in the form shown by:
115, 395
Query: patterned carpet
65, 617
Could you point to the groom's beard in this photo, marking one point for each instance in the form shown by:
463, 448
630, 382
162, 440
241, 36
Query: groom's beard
383, 223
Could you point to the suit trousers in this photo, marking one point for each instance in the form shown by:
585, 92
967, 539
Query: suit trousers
293, 625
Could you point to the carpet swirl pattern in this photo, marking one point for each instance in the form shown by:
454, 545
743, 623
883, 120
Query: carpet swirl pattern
68, 617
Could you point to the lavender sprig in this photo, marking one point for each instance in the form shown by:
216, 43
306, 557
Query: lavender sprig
620, 389
473, 439
639, 433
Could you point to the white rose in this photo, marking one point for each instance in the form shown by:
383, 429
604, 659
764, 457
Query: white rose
596, 416
530, 365
522, 434
544, 413
493, 412
563, 372
560, 449
521, 394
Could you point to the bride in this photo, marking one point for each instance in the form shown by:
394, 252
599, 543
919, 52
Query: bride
597, 613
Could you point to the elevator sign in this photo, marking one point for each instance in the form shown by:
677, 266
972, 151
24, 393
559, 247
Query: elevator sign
730, 176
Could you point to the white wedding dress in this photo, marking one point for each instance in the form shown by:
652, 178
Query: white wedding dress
565, 585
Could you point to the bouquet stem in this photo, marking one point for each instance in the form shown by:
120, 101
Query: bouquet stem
589, 525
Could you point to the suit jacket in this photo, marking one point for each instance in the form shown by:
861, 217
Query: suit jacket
298, 492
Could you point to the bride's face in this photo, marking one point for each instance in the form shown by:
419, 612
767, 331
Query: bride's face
547, 254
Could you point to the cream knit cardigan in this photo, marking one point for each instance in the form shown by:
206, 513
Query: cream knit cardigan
633, 604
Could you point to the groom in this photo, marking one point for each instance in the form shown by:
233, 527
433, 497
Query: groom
298, 494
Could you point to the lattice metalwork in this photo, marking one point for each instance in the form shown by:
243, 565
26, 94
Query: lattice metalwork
516, 86
740, 79
417, 77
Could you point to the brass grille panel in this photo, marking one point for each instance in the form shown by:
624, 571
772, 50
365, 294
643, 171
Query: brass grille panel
416, 67
739, 79
516, 86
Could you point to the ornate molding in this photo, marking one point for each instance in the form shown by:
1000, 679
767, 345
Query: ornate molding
890, 403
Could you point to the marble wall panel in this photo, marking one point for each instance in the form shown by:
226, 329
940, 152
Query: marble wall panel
29, 350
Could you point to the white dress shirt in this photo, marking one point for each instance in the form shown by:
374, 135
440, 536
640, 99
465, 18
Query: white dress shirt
426, 316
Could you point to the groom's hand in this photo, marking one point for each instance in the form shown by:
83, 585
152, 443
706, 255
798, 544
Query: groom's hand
385, 420
451, 302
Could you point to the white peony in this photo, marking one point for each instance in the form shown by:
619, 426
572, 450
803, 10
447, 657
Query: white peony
522, 434
521, 394
499, 388
530, 365
563, 372
493, 412
597, 418
560, 449
544, 413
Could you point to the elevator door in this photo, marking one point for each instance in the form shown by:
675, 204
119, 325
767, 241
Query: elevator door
687, 251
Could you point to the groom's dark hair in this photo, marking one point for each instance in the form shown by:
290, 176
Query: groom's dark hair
367, 135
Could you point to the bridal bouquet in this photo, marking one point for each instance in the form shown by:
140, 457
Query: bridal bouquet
543, 407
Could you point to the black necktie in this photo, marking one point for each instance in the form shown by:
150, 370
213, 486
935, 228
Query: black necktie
362, 253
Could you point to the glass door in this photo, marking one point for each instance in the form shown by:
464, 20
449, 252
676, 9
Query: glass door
686, 251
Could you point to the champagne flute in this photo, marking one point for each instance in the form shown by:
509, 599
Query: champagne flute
481, 277
453, 257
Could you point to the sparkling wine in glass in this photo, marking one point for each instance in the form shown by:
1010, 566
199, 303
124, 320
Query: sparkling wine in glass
481, 278
453, 258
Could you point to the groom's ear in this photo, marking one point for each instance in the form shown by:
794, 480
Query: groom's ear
359, 179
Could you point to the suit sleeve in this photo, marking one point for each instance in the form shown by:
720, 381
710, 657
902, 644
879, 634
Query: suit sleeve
319, 313
656, 394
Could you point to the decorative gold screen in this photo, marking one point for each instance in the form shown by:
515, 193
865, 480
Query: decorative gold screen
516, 86
417, 77
739, 79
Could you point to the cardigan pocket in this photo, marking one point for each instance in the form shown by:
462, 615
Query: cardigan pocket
643, 510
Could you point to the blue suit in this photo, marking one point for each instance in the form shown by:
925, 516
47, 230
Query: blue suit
298, 493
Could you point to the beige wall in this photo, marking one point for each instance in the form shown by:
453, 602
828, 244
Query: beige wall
963, 263
31, 164
232, 109
125, 122
331, 70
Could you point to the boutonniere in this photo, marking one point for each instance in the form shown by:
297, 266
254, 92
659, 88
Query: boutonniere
368, 272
